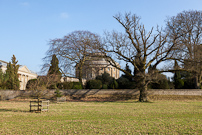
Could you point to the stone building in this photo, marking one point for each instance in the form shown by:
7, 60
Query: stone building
96, 65
72, 79
24, 74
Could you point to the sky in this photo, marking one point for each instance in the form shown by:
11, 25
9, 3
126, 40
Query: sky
27, 26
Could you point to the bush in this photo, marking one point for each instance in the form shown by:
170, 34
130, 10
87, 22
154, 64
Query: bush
104, 86
113, 84
124, 83
161, 84
65, 85
69, 85
53, 86
77, 85
105, 78
31, 84
179, 84
93, 84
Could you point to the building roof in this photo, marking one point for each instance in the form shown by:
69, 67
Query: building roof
3, 63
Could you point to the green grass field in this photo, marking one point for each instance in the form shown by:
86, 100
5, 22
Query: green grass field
126, 117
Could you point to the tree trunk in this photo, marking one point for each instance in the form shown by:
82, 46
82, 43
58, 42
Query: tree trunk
143, 94
80, 76
196, 82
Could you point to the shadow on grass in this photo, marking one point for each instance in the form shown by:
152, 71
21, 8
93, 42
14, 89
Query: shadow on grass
113, 98
12, 110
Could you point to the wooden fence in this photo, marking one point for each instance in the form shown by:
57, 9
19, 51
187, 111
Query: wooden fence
39, 106
61, 99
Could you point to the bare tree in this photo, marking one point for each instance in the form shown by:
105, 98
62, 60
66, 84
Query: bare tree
73, 49
138, 48
188, 24
41, 84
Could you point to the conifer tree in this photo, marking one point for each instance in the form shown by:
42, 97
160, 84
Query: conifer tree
54, 68
178, 82
12, 73
54, 72
128, 76
15, 70
3, 80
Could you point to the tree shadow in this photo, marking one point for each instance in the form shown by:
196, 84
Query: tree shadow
13, 110
115, 96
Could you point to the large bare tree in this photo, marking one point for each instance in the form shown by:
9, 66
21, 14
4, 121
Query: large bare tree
139, 48
73, 50
188, 24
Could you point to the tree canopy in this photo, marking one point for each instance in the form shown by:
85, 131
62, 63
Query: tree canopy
74, 49
139, 48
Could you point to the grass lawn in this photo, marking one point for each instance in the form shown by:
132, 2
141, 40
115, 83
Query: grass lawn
126, 117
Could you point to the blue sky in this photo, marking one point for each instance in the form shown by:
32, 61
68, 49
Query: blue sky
26, 26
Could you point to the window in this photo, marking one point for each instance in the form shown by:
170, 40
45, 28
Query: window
108, 69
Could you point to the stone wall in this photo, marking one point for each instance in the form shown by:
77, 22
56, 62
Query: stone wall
189, 92
10, 94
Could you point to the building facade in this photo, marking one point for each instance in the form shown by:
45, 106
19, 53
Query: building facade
96, 65
24, 74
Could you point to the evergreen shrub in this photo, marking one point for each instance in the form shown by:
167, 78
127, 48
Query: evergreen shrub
77, 85
104, 86
93, 84
65, 85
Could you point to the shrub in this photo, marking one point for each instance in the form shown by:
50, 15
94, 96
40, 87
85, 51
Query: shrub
31, 84
179, 84
161, 84
58, 93
105, 78
93, 84
77, 85
104, 86
124, 83
53, 86
113, 84
65, 85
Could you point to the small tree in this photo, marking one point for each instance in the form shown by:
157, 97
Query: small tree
58, 93
39, 85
